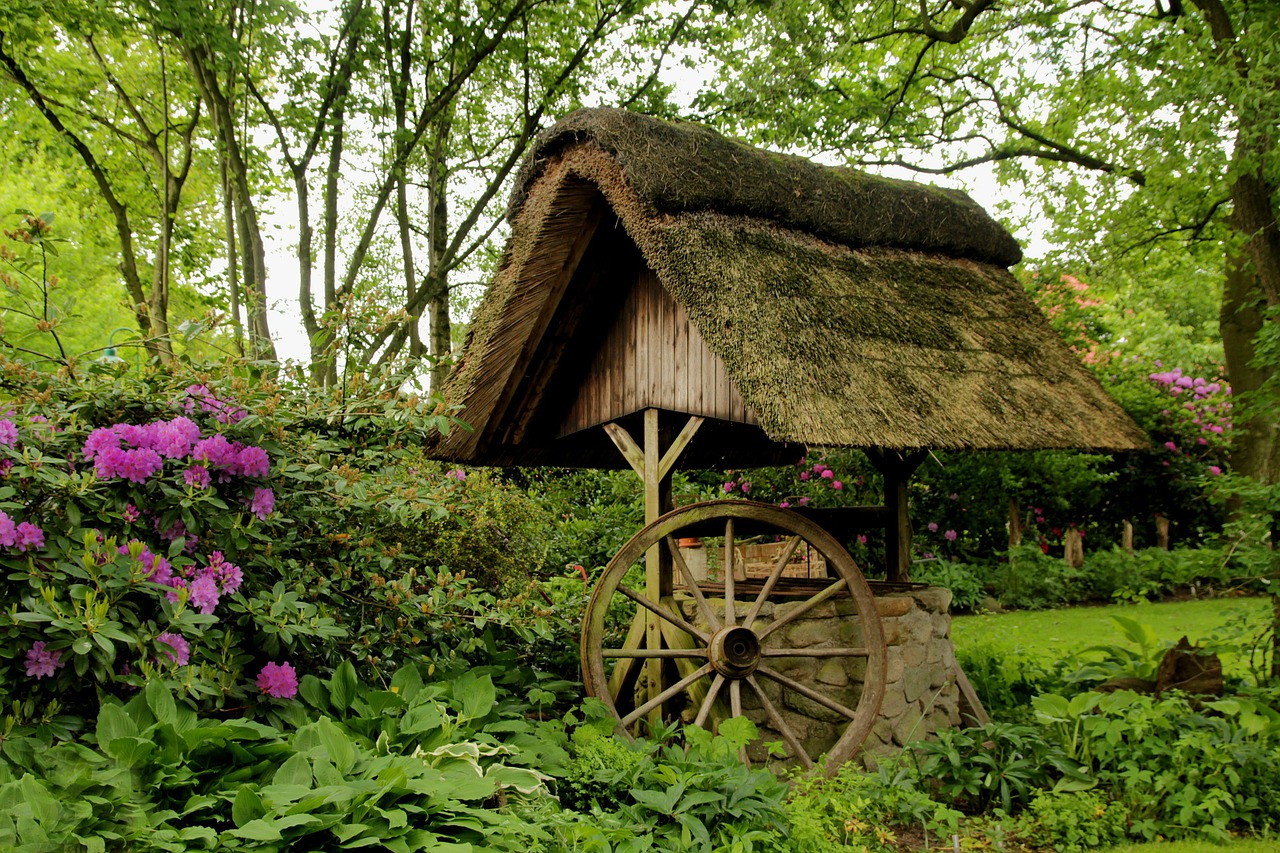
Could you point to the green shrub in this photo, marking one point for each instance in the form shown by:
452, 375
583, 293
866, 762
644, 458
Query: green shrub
1006, 684
1075, 821
964, 581
407, 768
1179, 768
859, 811
999, 764
1031, 580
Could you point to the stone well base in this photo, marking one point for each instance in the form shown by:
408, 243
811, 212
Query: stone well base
921, 694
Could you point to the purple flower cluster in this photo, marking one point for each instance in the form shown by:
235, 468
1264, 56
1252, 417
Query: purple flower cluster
22, 536
225, 412
42, 662
1205, 407
174, 647
278, 680
137, 452
205, 585
8, 432
262, 502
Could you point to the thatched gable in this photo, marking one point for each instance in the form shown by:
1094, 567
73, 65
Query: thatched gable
844, 309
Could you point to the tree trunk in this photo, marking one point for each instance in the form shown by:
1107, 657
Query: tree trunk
438, 281
1015, 523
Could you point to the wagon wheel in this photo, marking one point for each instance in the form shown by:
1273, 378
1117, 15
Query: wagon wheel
751, 649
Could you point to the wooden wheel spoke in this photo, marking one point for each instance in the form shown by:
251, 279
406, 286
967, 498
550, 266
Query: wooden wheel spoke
710, 701
653, 653
808, 692
774, 575
853, 652
788, 736
805, 608
735, 710
663, 613
729, 617
666, 694
691, 582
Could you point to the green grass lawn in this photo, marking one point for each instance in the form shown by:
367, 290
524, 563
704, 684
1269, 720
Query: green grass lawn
1250, 846
1051, 634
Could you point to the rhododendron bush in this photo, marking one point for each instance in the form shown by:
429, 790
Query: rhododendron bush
224, 535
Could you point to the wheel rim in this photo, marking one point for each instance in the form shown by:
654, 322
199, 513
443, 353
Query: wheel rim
742, 649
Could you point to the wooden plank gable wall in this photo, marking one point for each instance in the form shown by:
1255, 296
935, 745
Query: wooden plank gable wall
653, 357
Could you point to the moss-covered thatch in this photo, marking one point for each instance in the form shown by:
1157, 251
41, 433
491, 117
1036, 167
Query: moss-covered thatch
848, 310
686, 168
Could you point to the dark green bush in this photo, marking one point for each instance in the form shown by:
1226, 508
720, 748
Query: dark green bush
964, 581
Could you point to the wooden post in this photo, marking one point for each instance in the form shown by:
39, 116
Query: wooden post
1073, 548
1126, 538
657, 561
1015, 523
653, 466
897, 468
1162, 532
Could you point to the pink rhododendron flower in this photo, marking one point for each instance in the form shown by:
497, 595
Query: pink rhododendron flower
837, 485
804, 475
41, 662
263, 502
827, 474
1215, 470
933, 527
457, 474
204, 592
179, 651
228, 575
729, 486
251, 462
198, 476
950, 536
278, 680
8, 432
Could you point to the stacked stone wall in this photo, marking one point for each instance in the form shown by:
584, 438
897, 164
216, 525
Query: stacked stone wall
921, 695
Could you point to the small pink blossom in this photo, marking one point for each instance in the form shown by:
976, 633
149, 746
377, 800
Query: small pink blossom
837, 485
933, 527
178, 651
197, 476
950, 536
8, 432
804, 475
1215, 470
29, 536
827, 474
263, 502
278, 680
730, 486
42, 663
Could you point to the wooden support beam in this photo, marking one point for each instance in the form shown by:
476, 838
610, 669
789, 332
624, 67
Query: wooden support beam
653, 466
897, 467
629, 449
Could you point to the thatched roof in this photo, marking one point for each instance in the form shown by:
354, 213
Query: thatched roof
847, 309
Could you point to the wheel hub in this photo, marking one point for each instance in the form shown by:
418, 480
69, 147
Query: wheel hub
734, 652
